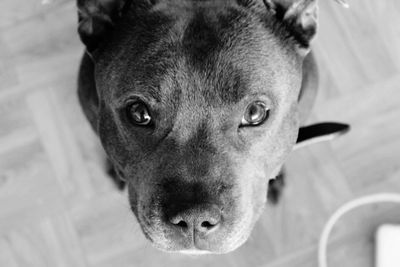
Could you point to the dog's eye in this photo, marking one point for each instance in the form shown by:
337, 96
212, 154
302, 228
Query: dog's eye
139, 114
256, 113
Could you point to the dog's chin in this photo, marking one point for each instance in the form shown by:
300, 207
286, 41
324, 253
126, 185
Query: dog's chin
222, 249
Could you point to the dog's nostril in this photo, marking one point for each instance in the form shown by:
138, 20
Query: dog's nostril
201, 218
207, 225
179, 221
182, 224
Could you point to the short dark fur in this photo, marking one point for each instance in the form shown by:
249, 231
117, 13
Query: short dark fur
197, 179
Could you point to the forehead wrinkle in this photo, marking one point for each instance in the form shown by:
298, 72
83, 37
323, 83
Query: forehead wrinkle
217, 56
137, 90
200, 39
229, 82
211, 30
153, 74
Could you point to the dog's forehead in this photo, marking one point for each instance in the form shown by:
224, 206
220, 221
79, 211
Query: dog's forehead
219, 49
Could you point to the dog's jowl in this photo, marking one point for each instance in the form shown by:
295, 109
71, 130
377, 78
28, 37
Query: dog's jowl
197, 104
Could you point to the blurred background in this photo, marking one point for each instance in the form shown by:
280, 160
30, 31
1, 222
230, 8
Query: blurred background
59, 208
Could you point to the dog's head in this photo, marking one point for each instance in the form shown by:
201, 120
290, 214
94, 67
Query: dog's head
196, 107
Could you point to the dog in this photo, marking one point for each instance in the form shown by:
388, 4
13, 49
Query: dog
197, 104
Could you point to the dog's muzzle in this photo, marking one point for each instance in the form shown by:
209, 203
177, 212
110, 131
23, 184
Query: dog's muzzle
193, 218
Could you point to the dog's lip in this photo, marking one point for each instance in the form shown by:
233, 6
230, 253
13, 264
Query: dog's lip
194, 252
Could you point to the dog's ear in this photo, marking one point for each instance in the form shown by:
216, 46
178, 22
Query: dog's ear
96, 18
320, 132
300, 18
87, 92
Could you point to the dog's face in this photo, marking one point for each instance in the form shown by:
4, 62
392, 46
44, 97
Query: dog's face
197, 110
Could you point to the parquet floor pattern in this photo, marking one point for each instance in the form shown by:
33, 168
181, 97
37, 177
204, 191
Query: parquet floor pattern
58, 208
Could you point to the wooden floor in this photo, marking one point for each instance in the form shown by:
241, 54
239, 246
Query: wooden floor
57, 207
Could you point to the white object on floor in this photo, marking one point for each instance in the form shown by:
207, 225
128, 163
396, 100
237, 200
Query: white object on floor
353, 204
388, 246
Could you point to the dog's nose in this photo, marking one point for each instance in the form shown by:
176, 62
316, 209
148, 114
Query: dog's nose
203, 219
